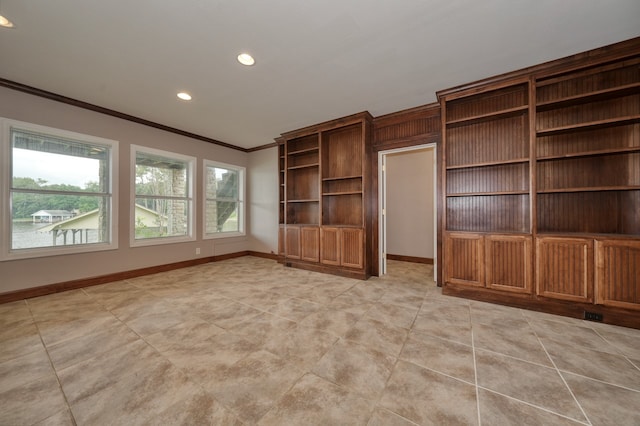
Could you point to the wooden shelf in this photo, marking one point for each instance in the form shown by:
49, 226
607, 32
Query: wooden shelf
305, 166
487, 164
489, 116
602, 235
325, 189
342, 193
588, 189
479, 194
589, 125
303, 151
341, 178
590, 153
488, 232
598, 95
540, 203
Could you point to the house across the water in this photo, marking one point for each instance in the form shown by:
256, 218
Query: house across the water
51, 216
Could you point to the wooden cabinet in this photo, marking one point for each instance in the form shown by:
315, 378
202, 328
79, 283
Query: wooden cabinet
352, 250
343, 247
292, 242
565, 268
604, 271
487, 182
618, 273
330, 246
497, 262
549, 154
310, 243
468, 251
325, 190
508, 263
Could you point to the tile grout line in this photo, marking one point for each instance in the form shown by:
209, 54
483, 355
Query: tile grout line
533, 405
560, 374
55, 372
189, 377
395, 364
621, 352
600, 381
475, 370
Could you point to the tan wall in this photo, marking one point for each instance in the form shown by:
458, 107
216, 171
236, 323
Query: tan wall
263, 195
22, 274
410, 203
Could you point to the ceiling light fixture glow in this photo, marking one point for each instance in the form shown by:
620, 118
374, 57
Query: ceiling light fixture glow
246, 59
184, 96
4, 22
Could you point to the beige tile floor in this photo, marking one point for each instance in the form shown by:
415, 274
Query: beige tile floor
248, 341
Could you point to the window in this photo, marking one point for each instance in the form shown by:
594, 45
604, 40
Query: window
162, 197
224, 200
58, 188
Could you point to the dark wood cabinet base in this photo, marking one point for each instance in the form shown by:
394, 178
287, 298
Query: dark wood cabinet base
358, 274
615, 316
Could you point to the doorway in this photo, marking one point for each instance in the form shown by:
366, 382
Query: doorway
422, 183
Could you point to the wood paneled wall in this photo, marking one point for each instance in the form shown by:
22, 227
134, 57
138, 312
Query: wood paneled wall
411, 127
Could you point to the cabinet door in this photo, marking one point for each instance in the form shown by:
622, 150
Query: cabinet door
292, 246
618, 273
508, 263
352, 247
464, 259
565, 268
330, 246
310, 243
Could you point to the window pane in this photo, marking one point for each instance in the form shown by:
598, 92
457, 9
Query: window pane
47, 220
222, 216
222, 183
159, 217
48, 163
156, 175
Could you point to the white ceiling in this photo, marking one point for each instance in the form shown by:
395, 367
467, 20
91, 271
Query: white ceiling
316, 59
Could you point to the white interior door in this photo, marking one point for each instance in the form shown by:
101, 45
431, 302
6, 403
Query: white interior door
382, 204
382, 231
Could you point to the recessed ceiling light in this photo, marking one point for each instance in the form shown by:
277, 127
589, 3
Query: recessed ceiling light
184, 96
246, 59
4, 22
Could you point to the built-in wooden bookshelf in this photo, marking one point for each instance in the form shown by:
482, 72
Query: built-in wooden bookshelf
324, 194
487, 160
588, 150
303, 180
282, 166
542, 167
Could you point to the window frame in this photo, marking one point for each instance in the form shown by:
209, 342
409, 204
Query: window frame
242, 171
6, 186
190, 198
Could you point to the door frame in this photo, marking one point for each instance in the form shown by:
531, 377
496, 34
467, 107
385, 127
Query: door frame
382, 191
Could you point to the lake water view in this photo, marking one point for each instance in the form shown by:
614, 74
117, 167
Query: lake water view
26, 235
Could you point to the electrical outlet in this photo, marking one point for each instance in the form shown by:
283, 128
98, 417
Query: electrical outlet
198, 250
592, 316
